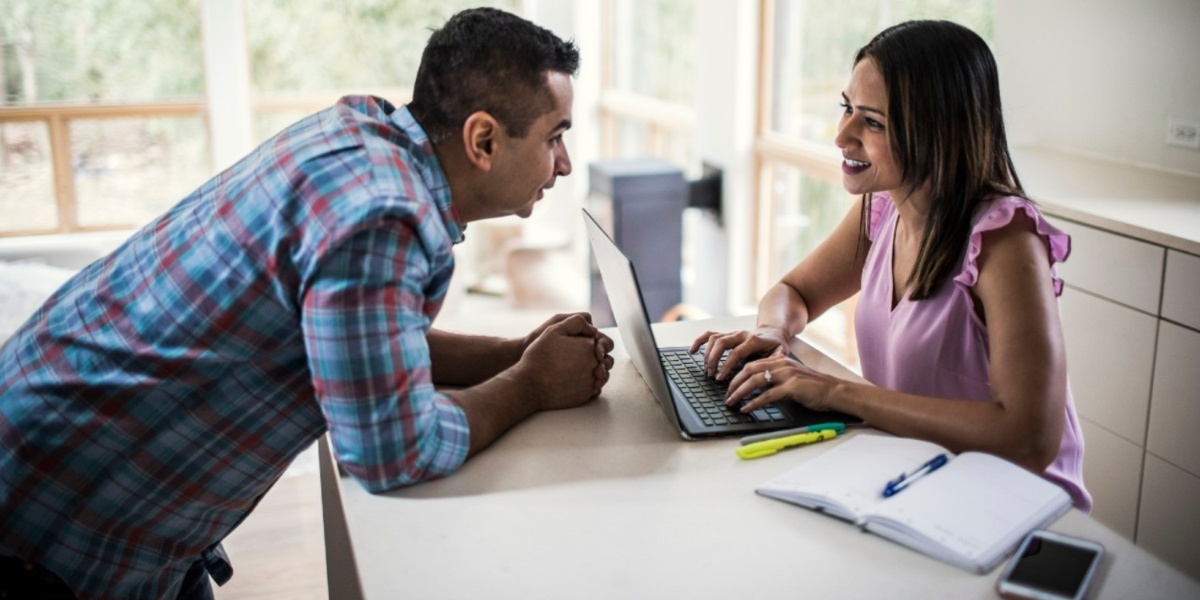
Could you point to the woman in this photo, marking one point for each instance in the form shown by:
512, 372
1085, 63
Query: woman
957, 322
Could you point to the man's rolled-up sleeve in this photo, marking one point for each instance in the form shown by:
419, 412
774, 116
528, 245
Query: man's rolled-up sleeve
364, 322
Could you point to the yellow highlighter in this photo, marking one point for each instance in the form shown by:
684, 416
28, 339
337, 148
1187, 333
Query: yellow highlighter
769, 447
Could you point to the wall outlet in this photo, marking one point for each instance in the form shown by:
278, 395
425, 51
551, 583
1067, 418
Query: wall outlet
1184, 133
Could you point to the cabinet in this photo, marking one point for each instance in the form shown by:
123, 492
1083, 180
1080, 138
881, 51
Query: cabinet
1114, 346
1175, 405
1112, 471
640, 202
1181, 289
1131, 323
1168, 520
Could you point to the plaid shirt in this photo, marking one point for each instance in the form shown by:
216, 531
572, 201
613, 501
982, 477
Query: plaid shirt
150, 403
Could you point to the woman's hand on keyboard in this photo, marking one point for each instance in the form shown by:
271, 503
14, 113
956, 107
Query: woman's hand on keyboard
789, 379
741, 346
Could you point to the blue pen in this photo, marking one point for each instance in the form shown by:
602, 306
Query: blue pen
896, 485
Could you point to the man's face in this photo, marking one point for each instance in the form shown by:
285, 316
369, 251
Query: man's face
528, 166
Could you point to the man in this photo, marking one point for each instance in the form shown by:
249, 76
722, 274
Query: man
154, 399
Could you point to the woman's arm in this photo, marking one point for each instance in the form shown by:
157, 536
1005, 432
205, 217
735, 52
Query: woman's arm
1024, 420
824, 278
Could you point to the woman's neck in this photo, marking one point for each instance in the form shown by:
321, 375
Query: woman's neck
913, 210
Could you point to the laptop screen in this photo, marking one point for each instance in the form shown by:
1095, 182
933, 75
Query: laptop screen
633, 323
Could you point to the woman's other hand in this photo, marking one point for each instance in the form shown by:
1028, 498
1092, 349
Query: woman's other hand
781, 378
762, 341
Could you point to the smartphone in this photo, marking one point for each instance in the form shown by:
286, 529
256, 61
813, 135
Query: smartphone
1051, 566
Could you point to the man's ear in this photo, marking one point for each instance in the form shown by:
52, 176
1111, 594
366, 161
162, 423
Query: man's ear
481, 132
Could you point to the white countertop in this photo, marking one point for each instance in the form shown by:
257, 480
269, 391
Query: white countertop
604, 502
1156, 206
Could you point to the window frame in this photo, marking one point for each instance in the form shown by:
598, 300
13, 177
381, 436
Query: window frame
818, 160
57, 118
664, 121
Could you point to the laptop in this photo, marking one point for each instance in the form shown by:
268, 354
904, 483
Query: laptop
691, 401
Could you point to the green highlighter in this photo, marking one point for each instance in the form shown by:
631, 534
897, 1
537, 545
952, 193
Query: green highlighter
766, 444
840, 428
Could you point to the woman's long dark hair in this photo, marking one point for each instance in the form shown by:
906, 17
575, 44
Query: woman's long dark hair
946, 129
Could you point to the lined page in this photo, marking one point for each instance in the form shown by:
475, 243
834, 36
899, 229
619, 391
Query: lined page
976, 508
848, 480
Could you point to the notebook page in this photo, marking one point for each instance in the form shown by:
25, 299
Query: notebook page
848, 480
976, 508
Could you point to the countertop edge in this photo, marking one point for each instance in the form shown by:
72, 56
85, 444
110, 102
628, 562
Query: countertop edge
1050, 208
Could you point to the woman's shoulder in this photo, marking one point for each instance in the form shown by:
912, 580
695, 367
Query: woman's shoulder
1005, 207
1012, 211
1015, 211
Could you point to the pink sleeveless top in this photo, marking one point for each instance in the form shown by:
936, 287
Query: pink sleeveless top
939, 346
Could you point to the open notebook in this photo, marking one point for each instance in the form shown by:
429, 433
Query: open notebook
971, 513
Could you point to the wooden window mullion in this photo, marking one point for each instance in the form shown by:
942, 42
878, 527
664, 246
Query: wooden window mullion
64, 173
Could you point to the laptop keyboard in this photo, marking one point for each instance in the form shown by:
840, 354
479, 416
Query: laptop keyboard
707, 395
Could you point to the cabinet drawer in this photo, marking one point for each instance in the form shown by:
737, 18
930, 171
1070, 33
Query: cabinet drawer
1112, 474
1168, 522
1113, 266
1175, 401
1181, 289
1110, 362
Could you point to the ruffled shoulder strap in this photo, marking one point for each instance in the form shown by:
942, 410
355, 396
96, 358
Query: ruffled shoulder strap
999, 213
881, 210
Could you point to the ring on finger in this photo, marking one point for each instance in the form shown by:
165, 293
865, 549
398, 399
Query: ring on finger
767, 375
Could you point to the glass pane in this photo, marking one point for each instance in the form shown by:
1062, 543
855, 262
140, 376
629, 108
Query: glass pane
129, 171
100, 50
26, 178
269, 123
365, 45
635, 138
653, 47
632, 139
805, 210
814, 46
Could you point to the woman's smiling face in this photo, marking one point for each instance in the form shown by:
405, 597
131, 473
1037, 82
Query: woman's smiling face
868, 163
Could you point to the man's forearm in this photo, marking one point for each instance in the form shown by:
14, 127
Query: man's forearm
466, 360
493, 407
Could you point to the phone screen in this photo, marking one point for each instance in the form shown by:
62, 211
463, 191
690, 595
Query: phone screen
1052, 566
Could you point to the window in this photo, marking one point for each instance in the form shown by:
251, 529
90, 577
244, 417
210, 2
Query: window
647, 80
300, 63
97, 132
807, 47
129, 170
102, 104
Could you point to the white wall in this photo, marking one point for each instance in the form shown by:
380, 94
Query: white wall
726, 112
1101, 77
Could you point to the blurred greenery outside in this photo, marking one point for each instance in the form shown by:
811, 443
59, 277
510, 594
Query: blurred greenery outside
662, 41
129, 170
652, 55
815, 43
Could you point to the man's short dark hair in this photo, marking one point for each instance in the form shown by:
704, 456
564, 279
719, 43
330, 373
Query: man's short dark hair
485, 59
